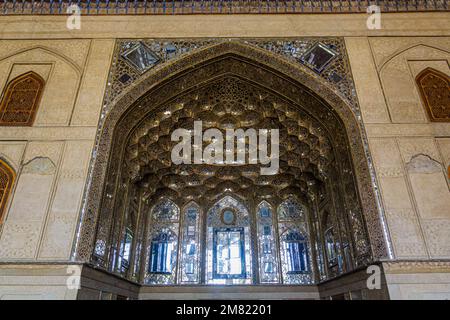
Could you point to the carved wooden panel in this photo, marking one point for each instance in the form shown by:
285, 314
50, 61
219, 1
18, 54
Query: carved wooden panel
434, 87
7, 176
21, 99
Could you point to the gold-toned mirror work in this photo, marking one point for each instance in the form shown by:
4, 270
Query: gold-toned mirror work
308, 172
434, 87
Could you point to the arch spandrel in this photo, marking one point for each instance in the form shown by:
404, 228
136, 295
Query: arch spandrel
254, 66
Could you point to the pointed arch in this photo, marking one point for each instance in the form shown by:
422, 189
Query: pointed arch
190, 231
401, 51
166, 210
7, 178
434, 88
295, 242
267, 243
50, 51
20, 100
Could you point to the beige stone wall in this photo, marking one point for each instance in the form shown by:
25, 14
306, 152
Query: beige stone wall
51, 157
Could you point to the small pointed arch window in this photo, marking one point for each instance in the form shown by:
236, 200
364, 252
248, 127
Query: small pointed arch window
434, 88
294, 243
7, 177
20, 100
295, 251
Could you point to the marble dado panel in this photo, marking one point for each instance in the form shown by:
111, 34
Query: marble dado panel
42, 218
386, 157
427, 176
438, 237
406, 234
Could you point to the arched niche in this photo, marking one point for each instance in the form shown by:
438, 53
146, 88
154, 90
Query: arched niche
434, 88
295, 91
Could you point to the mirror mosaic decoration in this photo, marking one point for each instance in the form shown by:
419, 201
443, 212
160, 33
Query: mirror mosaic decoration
332, 65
